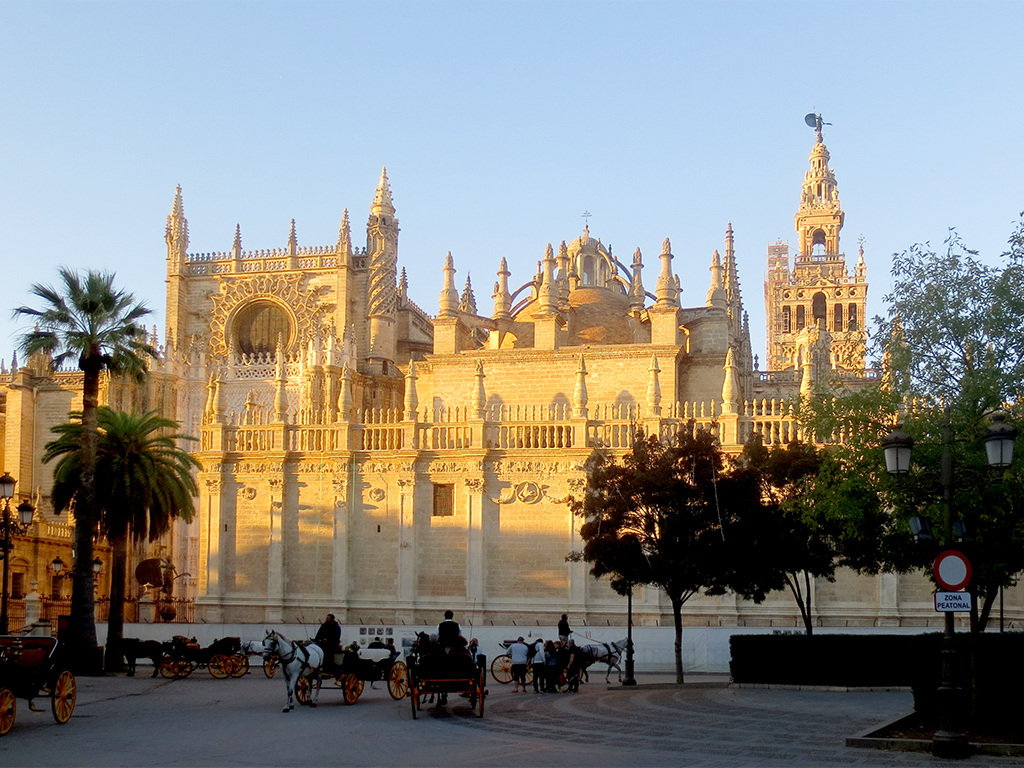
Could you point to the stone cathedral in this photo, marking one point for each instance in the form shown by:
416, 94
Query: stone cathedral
364, 456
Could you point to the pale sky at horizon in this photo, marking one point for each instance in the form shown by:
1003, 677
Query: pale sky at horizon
500, 124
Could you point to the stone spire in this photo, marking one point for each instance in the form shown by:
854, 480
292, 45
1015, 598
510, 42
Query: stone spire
467, 303
730, 276
654, 388
862, 270
820, 216
280, 380
177, 230
666, 292
731, 385
411, 399
344, 249
293, 242
547, 297
716, 293
637, 295
448, 305
579, 396
382, 252
479, 393
502, 297
382, 202
236, 246
403, 284
345, 394
563, 274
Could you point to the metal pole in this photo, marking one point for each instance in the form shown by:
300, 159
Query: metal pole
949, 741
630, 680
7, 566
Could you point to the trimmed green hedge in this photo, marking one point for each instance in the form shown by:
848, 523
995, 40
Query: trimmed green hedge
875, 661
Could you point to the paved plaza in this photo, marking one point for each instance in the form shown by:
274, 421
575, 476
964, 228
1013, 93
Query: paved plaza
199, 721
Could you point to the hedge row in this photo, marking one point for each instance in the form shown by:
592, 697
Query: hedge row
989, 668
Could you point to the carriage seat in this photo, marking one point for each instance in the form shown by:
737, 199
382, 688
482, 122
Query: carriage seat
28, 652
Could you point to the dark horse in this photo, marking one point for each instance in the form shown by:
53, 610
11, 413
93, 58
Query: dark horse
135, 649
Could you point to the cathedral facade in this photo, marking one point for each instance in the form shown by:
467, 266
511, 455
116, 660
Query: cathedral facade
363, 456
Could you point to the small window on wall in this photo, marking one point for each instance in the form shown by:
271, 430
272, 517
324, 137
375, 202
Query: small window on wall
800, 318
444, 500
851, 318
17, 586
838, 324
787, 320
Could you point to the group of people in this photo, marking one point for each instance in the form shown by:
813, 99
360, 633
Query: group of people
557, 664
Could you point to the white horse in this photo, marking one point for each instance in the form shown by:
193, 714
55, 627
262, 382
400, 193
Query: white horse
296, 661
605, 653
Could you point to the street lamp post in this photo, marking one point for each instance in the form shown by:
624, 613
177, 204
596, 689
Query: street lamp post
10, 527
949, 740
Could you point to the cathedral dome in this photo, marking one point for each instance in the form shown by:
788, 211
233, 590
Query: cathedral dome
596, 316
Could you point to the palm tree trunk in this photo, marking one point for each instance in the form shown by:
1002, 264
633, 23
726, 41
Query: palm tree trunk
115, 620
82, 624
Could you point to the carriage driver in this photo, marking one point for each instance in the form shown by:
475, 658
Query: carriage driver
328, 637
449, 634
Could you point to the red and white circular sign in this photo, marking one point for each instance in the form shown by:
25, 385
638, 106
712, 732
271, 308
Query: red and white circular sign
952, 570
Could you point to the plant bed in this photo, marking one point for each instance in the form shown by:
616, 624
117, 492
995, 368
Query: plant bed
913, 733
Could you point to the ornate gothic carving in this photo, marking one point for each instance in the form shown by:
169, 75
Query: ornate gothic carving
302, 303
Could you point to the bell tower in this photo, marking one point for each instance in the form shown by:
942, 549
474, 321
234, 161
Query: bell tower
820, 291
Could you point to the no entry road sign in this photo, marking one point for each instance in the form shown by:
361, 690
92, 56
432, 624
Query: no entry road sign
952, 570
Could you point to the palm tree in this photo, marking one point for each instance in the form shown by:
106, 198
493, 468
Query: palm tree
144, 480
89, 321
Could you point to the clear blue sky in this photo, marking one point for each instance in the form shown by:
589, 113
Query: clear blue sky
499, 124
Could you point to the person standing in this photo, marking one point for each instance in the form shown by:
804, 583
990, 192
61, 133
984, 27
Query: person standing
563, 629
519, 651
539, 670
550, 667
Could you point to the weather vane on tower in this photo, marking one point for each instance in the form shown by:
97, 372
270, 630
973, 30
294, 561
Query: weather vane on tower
815, 122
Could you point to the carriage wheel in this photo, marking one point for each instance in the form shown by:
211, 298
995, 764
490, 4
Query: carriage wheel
169, 668
8, 710
398, 680
302, 690
352, 687
63, 696
501, 668
241, 666
270, 666
220, 666
185, 668
529, 673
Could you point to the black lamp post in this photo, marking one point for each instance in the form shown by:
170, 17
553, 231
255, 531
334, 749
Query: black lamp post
10, 527
949, 741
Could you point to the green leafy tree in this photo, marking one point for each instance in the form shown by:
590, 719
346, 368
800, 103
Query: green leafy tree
803, 542
952, 348
90, 322
667, 515
144, 481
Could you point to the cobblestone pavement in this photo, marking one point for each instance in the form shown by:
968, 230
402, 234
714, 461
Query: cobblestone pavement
200, 721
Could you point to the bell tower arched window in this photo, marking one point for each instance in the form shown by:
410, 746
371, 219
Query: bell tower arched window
818, 243
837, 324
818, 308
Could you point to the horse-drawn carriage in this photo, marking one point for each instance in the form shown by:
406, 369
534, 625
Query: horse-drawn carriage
353, 667
436, 671
223, 657
29, 666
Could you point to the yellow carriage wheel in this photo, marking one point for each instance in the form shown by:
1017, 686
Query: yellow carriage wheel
8, 710
63, 697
